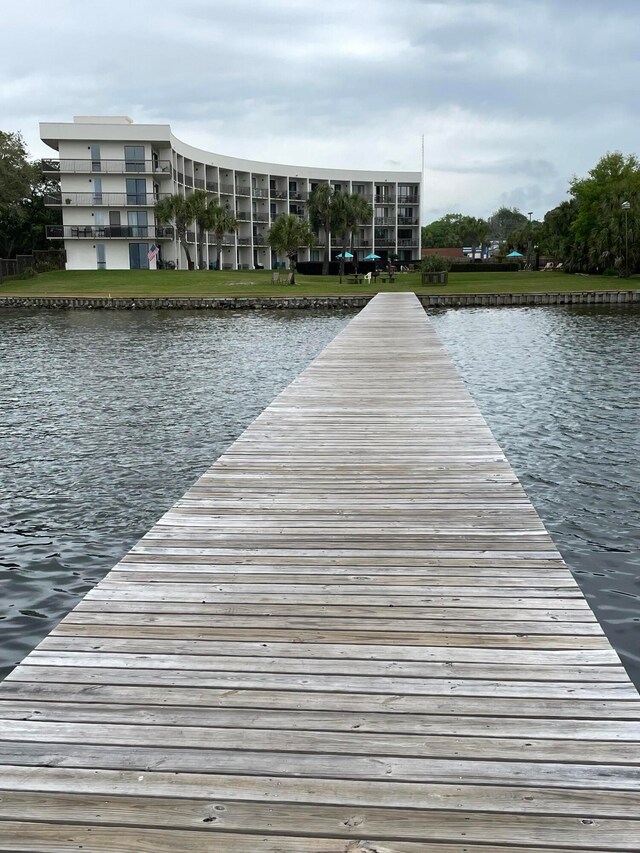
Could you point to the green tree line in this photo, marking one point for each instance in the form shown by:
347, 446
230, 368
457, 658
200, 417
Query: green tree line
595, 230
23, 187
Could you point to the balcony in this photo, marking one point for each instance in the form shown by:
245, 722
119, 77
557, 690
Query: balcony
385, 243
279, 194
103, 199
408, 199
298, 196
261, 216
259, 240
257, 192
385, 220
212, 186
199, 183
408, 220
240, 190
384, 198
412, 242
227, 189
107, 232
108, 167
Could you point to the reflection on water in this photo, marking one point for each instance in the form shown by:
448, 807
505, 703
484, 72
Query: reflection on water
561, 391
106, 418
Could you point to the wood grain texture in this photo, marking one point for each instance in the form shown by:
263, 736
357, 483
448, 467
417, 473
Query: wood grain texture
353, 634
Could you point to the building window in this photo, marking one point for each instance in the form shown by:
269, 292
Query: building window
138, 256
97, 191
358, 189
134, 158
293, 186
96, 163
137, 220
136, 191
101, 256
315, 255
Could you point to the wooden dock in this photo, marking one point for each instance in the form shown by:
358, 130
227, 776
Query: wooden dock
352, 635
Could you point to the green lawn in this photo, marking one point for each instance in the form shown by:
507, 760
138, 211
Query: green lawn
141, 283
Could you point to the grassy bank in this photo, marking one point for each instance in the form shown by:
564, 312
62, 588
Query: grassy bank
141, 283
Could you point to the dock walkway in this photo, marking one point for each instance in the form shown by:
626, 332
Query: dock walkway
352, 635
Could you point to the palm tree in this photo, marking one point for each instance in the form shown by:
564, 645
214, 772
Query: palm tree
176, 210
199, 202
351, 211
322, 217
288, 233
220, 221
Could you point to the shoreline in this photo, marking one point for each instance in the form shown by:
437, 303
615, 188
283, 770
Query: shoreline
435, 300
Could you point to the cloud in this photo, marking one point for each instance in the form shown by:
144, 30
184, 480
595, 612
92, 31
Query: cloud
512, 96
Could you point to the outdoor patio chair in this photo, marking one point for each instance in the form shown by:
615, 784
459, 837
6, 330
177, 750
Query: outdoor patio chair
367, 277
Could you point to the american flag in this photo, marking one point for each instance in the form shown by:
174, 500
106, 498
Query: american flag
153, 251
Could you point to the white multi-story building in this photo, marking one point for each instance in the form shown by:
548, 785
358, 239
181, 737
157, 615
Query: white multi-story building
112, 171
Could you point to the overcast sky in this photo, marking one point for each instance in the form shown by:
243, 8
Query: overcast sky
513, 96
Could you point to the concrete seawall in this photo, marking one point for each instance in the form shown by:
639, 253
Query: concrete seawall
435, 300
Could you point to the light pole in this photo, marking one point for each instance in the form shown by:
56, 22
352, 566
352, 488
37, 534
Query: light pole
530, 214
626, 207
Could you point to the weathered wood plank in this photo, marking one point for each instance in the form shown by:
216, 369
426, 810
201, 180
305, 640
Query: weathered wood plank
353, 633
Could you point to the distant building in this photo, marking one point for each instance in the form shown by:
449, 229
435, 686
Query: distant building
112, 171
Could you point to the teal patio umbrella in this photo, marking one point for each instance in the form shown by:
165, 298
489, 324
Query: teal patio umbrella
515, 254
371, 257
346, 255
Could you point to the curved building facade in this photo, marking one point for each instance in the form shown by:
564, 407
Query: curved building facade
112, 171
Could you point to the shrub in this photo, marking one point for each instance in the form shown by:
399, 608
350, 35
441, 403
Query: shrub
27, 272
434, 263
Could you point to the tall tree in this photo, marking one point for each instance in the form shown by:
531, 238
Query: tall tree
23, 187
219, 221
199, 202
17, 175
287, 235
557, 237
474, 232
177, 211
505, 221
322, 217
601, 226
443, 233
350, 211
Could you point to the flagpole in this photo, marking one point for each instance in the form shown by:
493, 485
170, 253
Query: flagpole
421, 204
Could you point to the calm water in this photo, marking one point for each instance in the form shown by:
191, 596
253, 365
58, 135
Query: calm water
106, 418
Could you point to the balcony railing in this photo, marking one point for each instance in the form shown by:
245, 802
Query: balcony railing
102, 232
408, 199
108, 166
243, 216
298, 196
385, 243
244, 241
243, 190
212, 186
413, 241
258, 192
278, 194
259, 240
385, 220
261, 216
227, 189
408, 220
198, 183
384, 198
103, 199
